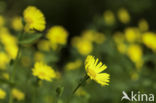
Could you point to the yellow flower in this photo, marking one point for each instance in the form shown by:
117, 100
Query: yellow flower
135, 54
2, 21
143, 25
17, 23
122, 48
93, 36
26, 61
132, 34
17, 94
44, 45
5, 76
73, 65
109, 17
12, 50
43, 71
34, 19
99, 37
81, 92
84, 47
88, 35
4, 60
123, 15
149, 39
2, 94
39, 56
9, 42
94, 70
118, 37
134, 76
57, 36
120, 42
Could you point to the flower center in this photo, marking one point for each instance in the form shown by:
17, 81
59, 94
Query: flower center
29, 20
92, 73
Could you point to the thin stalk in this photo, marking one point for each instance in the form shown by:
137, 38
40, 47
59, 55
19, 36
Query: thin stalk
86, 77
13, 69
80, 84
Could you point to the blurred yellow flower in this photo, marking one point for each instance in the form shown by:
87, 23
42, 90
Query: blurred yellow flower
9, 42
4, 60
109, 17
2, 21
17, 23
122, 48
73, 65
123, 15
81, 92
83, 46
38, 56
88, 35
34, 19
57, 36
12, 50
99, 38
134, 76
5, 76
2, 94
118, 37
44, 45
26, 61
149, 39
43, 71
93, 36
17, 94
143, 25
135, 54
94, 70
132, 34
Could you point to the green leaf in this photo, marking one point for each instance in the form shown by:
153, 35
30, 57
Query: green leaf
59, 91
29, 38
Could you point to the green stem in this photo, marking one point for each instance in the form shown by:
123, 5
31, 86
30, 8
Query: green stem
81, 83
86, 77
12, 75
13, 69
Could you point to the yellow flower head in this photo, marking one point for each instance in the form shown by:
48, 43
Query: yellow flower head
17, 94
5, 76
149, 39
118, 37
4, 60
83, 46
109, 17
88, 35
132, 34
143, 25
44, 45
135, 54
73, 65
9, 42
94, 70
57, 36
17, 23
39, 56
2, 94
123, 15
81, 92
34, 19
93, 36
43, 71
99, 37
